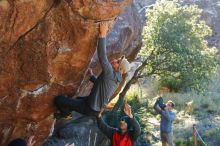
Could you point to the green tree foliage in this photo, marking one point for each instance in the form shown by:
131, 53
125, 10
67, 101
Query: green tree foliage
174, 46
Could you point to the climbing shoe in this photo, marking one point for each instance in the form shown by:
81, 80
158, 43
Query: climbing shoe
68, 117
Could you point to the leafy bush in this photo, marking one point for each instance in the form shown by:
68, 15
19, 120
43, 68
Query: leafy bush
174, 46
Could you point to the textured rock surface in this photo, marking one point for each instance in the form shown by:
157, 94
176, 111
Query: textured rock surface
47, 46
124, 39
82, 131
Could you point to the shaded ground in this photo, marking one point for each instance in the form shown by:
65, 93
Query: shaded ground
208, 127
80, 130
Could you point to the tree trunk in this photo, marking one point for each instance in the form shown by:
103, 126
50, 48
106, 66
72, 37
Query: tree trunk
128, 85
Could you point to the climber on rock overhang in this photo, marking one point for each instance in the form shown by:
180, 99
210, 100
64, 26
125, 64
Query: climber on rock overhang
104, 85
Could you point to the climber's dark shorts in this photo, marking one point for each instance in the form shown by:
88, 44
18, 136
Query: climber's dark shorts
67, 104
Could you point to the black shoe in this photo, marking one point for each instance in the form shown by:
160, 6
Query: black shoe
59, 115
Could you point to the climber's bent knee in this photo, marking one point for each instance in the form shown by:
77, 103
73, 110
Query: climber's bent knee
59, 99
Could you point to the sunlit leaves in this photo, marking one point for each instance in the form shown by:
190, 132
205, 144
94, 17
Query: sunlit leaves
174, 45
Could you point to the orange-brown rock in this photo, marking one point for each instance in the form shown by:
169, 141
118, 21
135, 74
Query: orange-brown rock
46, 47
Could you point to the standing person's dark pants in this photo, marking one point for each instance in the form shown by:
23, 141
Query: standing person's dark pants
66, 105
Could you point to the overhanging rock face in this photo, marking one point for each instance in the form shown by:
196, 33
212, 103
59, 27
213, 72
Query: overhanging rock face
81, 130
46, 47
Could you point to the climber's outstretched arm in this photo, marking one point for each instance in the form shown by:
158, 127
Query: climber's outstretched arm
104, 127
101, 50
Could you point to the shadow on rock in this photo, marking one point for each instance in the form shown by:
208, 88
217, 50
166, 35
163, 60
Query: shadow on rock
81, 130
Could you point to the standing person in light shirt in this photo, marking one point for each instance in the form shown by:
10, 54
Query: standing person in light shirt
167, 118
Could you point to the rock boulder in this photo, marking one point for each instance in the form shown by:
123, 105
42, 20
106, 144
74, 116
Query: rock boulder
46, 47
